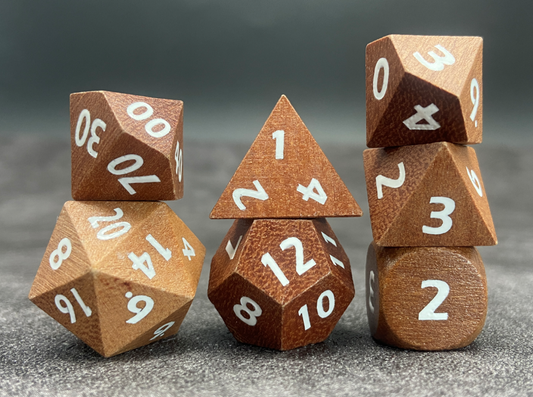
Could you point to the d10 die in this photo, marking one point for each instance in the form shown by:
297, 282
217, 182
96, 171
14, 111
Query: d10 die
126, 147
119, 275
425, 298
427, 195
422, 89
280, 283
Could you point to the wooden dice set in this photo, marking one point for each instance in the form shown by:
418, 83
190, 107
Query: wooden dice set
280, 278
121, 269
425, 282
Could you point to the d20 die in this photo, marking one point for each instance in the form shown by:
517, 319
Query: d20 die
427, 195
425, 298
119, 275
279, 283
126, 147
422, 89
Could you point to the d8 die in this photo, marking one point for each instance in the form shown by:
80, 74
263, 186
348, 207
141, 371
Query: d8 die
280, 283
119, 275
422, 89
427, 195
425, 298
126, 147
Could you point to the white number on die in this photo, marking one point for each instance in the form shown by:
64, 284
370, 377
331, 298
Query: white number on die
428, 312
392, 183
68, 308
161, 330
241, 308
178, 156
85, 118
304, 312
279, 137
382, 63
423, 114
475, 96
102, 234
475, 181
140, 313
126, 182
60, 254
439, 62
188, 251
309, 192
259, 194
149, 126
230, 250
371, 281
444, 215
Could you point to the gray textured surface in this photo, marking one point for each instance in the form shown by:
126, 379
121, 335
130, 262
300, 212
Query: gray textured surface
39, 357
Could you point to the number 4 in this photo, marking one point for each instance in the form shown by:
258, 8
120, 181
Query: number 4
188, 251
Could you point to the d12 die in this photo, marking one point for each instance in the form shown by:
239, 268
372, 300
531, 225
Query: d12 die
427, 195
285, 174
422, 89
280, 283
119, 275
425, 298
126, 147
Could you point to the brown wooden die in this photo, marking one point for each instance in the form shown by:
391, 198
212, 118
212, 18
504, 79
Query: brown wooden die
119, 275
285, 174
427, 195
425, 298
126, 147
280, 283
422, 89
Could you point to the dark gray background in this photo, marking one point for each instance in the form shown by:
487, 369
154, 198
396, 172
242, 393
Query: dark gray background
230, 61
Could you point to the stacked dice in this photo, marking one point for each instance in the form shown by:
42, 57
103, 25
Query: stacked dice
121, 269
425, 281
280, 279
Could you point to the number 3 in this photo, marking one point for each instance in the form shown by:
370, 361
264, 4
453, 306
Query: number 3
444, 215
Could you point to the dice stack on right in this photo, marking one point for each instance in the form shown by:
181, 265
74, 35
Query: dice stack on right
426, 287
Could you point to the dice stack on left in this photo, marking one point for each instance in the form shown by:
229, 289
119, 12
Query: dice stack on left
121, 269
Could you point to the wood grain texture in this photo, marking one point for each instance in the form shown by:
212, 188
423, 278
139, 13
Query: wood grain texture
104, 127
324, 290
395, 297
288, 168
404, 212
118, 266
451, 89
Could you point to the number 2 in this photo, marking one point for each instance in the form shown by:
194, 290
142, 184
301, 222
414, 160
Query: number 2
428, 312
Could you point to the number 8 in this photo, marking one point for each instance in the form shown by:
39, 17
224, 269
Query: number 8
238, 309
59, 254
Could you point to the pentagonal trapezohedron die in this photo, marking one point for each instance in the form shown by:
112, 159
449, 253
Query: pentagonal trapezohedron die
126, 147
285, 174
425, 298
280, 283
119, 275
422, 89
427, 195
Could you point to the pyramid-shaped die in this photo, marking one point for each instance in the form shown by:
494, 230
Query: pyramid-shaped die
118, 275
126, 147
285, 174
427, 195
423, 89
280, 283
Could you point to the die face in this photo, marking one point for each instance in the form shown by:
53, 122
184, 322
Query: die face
426, 298
427, 195
294, 270
139, 267
285, 174
423, 89
126, 147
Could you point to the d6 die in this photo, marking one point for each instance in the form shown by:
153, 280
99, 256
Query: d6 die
118, 275
126, 147
280, 283
425, 298
422, 89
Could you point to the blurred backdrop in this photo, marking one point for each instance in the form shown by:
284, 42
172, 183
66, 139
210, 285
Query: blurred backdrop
229, 61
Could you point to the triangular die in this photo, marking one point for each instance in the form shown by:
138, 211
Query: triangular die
64, 260
445, 188
285, 174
